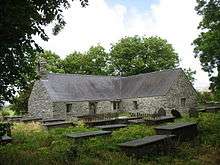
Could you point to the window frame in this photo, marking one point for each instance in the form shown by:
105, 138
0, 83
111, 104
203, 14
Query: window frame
116, 105
135, 103
68, 108
94, 104
183, 102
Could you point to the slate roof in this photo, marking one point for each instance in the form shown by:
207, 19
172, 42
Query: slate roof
74, 87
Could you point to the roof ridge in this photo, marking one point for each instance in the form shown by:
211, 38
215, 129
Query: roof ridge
155, 72
85, 75
82, 75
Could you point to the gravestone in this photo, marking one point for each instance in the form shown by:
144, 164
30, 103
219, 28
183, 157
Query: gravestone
149, 145
161, 112
193, 112
176, 113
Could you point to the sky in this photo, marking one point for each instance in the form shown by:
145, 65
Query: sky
106, 21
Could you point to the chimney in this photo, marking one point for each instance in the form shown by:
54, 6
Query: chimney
42, 68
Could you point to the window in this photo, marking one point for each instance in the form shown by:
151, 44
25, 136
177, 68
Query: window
135, 104
68, 107
116, 105
183, 102
92, 108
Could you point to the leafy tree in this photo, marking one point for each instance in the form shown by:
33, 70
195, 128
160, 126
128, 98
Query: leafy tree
190, 74
207, 45
134, 55
54, 62
74, 63
20, 102
19, 21
92, 62
97, 60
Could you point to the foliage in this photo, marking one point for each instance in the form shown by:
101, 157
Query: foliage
208, 43
134, 55
19, 22
20, 102
54, 63
206, 96
34, 145
132, 132
190, 74
5, 113
131, 55
93, 62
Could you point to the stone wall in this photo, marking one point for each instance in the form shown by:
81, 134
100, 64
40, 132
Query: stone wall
79, 108
39, 104
147, 105
182, 88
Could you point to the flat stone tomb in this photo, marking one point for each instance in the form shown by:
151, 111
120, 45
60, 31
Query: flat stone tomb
101, 122
53, 120
183, 131
147, 145
13, 118
60, 124
159, 120
212, 109
201, 110
137, 121
5, 139
111, 127
31, 119
83, 135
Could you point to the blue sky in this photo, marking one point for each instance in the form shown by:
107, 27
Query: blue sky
140, 5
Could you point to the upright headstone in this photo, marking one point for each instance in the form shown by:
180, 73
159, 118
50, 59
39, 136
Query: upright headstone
176, 113
193, 112
161, 112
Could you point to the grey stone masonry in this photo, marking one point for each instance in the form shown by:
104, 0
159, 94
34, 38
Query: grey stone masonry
39, 104
68, 96
182, 89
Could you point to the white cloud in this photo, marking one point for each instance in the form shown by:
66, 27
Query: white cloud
174, 20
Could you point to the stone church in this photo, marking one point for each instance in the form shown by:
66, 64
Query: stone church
70, 95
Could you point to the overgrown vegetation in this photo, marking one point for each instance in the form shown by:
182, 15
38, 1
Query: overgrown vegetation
34, 145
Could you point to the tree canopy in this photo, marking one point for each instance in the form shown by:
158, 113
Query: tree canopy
19, 21
54, 62
134, 55
91, 62
207, 45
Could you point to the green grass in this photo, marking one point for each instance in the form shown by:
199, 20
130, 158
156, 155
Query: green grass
34, 145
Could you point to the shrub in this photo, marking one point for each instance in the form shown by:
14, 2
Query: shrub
132, 132
5, 113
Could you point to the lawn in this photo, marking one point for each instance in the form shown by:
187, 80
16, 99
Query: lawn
34, 145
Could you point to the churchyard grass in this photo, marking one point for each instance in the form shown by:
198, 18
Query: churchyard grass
32, 144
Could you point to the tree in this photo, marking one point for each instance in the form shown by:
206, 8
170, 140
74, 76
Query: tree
190, 74
20, 102
93, 62
54, 62
134, 55
19, 21
207, 45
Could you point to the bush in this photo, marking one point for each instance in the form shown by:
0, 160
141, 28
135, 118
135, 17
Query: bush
132, 132
34, 145
5, 113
